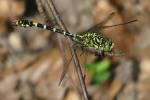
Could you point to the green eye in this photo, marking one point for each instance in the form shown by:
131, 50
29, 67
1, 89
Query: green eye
109, 45
112, 45
106, 48
110, 40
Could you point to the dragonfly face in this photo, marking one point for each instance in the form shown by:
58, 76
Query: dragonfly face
108, 45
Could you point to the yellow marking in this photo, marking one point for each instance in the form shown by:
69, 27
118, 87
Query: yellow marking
74, 36
21, 25
27, 25
97, 40
34, 23
85, 35
102, 48
54, 29
64, 32
17, 22
44, 26
91, 41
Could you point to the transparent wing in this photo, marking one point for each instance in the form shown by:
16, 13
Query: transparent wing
97, 27
84, 58
68, 60
103, 27
82, 55
100, 26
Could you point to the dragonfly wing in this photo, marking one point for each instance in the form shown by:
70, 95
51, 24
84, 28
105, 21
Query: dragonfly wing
68, 60
82, 54
97, 27
84, 58
103, 27
100, 26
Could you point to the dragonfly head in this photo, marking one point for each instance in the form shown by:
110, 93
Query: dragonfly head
109, 45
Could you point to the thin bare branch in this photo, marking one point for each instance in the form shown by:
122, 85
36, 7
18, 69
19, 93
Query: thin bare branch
69, 40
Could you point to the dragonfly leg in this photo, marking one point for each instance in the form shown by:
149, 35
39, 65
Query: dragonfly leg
102, 54
82, 49
96, 54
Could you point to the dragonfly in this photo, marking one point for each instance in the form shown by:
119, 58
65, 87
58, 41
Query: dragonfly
89, 40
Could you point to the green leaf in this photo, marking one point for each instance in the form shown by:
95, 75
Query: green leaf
102, 66
90, 67
100, 78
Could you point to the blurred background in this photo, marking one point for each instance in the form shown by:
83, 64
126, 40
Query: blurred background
31, 63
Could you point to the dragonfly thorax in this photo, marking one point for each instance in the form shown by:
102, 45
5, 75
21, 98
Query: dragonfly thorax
95, 40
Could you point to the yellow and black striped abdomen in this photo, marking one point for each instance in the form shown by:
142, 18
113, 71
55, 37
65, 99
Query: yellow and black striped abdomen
24, 23
27, 23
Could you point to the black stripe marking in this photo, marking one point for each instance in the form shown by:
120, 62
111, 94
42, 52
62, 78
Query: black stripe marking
31, 24
97, 41
49, 28
40, 25
103, 41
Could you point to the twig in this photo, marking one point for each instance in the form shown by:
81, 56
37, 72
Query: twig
69, 40
106, 53
60, 42
40, 9
64, 60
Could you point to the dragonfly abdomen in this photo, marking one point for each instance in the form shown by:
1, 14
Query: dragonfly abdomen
27, 23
